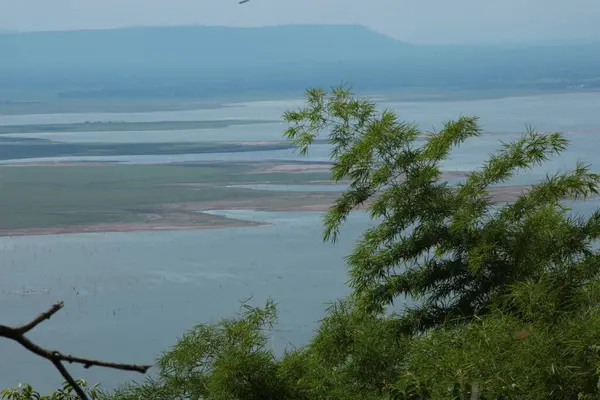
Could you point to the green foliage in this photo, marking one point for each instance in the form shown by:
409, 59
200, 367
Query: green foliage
228, 360
507, 359
450, 248
26, 392
506, 296
353, 355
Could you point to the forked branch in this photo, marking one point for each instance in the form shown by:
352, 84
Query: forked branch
17, 333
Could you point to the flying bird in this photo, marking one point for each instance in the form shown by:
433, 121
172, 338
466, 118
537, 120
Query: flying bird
243, 1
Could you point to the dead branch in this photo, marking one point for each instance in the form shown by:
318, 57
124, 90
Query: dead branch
17, 334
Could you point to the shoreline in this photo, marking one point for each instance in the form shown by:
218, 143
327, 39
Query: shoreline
154, 223
115, 228
192, 216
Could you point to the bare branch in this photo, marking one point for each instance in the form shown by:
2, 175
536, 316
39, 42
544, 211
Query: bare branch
18, 335
88, 363
61, 368
23, 329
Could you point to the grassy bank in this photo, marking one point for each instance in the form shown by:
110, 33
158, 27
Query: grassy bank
61, 196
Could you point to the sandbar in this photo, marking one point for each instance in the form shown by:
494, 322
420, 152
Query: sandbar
168, 221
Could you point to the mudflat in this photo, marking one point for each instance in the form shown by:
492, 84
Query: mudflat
76, 197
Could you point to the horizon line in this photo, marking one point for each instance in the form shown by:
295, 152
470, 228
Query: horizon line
580, 41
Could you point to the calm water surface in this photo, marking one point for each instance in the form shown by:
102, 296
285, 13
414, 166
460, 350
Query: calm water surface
128, 296
248, 110
294, 188
254, 132
552, 112
319, 152
575, 113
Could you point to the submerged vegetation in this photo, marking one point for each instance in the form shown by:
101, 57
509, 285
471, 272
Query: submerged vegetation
502, 301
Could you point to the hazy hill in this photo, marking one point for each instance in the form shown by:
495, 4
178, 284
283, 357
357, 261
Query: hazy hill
201, 61
192, 48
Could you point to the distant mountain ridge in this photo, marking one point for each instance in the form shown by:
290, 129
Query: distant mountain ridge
192, 61
196, 46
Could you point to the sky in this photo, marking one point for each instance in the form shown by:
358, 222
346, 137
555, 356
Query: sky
417, 21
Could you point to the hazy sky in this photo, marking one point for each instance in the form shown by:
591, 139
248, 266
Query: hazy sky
411, 20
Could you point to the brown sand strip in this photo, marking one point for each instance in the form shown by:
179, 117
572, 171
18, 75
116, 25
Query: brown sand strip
189, 216
154, 222
59, 164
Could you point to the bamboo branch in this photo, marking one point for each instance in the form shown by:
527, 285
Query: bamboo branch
56, 358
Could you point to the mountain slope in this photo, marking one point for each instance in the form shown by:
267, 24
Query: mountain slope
187, 48
201, 61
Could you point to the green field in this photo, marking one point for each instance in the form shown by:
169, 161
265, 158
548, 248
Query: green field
46, 196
